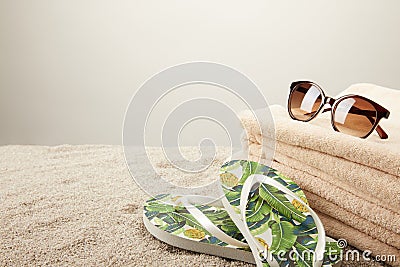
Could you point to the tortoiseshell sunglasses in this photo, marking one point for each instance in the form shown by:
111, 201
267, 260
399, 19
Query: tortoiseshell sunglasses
351, 114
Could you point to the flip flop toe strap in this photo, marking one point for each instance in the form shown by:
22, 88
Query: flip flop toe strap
189, 203
256, 180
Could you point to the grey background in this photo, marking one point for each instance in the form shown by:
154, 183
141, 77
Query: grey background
69, 68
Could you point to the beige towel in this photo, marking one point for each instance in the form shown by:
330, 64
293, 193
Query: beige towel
322, 205
318, 135
352, 188
385, 187
356, 178
336, 195
337, 230
254, 149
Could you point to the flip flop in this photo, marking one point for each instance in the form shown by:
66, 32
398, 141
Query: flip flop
196, 223
272, 213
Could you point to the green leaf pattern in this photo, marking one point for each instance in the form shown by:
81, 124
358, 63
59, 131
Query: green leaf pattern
277, 199
176, 220
272, 216
283, 238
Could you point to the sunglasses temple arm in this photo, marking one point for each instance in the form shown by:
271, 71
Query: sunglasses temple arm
381, 132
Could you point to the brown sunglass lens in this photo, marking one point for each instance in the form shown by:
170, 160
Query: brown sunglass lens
355, 116
305, 100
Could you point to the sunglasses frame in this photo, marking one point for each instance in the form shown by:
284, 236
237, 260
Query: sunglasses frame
381, 112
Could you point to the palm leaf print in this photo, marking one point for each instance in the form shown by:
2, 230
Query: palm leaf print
249, 168
333, 253
283, 237
190, 220
177, 220
304, 251
230, 165
159, 207
257, 228
151, 214
307, 227
257, 210
171, 228
233, 195
276, 199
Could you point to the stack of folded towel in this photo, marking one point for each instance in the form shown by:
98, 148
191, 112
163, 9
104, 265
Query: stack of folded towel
353, 183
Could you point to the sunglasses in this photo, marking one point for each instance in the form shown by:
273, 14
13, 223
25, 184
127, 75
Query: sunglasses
351, 114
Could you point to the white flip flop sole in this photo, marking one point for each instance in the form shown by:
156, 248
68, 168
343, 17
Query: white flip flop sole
187, 244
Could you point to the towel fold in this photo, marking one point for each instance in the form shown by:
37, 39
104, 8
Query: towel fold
383, 186
337, 182
336, 195
338, 230
357, 178
334, 211
368, 183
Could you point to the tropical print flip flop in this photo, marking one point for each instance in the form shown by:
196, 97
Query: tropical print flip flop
272, 213
191, 223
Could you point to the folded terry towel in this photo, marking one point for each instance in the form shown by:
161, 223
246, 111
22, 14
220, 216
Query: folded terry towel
349, 186
334, 211
383, 186
358, 239
336, 195
318, 135
354, 177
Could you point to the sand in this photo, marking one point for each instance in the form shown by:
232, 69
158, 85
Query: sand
78, 205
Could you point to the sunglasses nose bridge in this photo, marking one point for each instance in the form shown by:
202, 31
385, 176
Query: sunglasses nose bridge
329, 100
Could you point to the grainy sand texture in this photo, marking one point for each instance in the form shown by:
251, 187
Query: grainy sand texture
78, 205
